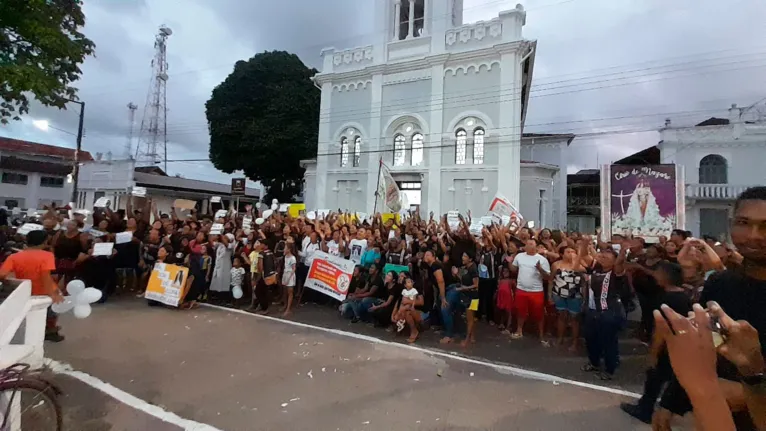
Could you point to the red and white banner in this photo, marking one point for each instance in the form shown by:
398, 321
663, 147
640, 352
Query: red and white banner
330, 275
388, 190
501, 207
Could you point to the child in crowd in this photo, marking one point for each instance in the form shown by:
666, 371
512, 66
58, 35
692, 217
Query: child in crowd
504, 300
237, 274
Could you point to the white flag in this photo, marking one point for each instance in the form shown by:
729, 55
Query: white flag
388, 191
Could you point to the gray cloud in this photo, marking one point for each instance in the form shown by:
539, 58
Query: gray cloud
711, 55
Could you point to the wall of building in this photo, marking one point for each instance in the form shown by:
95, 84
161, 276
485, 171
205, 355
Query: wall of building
537, 189
552, 152
466, 189
33, 194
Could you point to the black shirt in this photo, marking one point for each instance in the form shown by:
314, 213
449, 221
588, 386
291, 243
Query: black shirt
742, 298
607, 297
382, 291
436, 266
467, 274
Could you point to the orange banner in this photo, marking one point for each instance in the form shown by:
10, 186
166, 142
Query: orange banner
330, 275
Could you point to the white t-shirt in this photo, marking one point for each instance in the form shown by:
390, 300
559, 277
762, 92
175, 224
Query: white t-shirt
333, 248
529, 279
358, 247
237, 276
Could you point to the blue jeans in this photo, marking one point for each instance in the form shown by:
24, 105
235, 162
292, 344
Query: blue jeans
601, 337
362, 306
454, 305
347, 309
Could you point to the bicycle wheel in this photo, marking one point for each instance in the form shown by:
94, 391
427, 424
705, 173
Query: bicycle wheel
29, 404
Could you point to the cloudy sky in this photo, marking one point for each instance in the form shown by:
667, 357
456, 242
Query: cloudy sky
604, 69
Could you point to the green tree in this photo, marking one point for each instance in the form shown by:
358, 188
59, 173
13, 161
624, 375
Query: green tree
41, 51
263, 120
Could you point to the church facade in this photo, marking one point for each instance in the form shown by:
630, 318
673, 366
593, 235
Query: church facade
442, 103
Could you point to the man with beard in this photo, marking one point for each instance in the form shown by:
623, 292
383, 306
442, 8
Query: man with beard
741, 293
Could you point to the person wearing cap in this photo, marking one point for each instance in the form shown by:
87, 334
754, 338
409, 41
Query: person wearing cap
36, 265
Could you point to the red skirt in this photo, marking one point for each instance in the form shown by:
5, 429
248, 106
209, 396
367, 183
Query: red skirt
505, 295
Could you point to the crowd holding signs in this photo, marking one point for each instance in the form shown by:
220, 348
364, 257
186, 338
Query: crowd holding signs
412, 273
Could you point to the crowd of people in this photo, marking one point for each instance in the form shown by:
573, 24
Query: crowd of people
414, 274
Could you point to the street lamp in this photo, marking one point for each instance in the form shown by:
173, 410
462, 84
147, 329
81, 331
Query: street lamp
44, 126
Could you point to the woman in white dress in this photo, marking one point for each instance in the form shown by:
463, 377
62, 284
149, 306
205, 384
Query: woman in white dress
288, 276
221, 280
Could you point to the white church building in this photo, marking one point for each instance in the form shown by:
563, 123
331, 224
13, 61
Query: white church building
442, 103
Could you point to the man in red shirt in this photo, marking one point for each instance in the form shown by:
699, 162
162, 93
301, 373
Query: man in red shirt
35, 264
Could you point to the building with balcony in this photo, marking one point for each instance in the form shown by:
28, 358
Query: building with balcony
35, 175
443, 104
722, 157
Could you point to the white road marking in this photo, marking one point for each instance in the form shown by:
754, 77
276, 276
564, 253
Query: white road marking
507, 369
128, 399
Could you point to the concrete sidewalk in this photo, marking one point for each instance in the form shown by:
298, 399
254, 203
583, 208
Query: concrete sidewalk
240, 372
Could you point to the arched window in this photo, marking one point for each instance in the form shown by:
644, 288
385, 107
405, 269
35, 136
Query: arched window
417, 149
357, 150
713, 170
460, 142
478, 146
400, 150
343, 152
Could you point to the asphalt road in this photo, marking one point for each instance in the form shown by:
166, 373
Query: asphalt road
240, 372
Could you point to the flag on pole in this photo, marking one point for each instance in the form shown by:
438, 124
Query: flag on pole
388, 190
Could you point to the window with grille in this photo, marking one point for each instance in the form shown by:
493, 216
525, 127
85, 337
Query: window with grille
417, 149
14, 178
713, 170
478, 146
357, 150
55, 182
460, 142
400, 150
343, 151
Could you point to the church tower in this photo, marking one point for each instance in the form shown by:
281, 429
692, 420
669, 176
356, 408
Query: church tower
409, 19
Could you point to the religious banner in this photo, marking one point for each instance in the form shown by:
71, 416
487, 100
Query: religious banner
646, 201
502, 207
167, 284
388, 191
330, 275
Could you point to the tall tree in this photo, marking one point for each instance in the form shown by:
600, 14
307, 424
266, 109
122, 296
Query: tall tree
41, 50
263, 120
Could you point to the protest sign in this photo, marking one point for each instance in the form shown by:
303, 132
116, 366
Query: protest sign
29, 227
475, 227
215, 200
501, 207
101, 202
167, 284
330, 275
184, 204
453, 219
216, 229
138, 191
103, 248
221, 214
124, 237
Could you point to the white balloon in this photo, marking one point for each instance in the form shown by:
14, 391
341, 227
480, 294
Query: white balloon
237, 292
259, 221
75, 287
267, 213
63, 307
88, 296
274, 207
275, 201
82, 311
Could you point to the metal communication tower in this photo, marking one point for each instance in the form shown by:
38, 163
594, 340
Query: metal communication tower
153, 132
131, 122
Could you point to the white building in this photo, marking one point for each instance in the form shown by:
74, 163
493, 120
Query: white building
114, 179
443, 104
722, 157
35, 175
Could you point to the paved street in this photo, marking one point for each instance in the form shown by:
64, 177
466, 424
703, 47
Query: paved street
240, 372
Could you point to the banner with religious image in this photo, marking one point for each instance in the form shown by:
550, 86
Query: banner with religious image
644, 200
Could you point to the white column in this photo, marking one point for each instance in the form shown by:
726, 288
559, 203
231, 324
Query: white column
509, 138
324, 146
411, 31
397, 14
433, 143
376, 142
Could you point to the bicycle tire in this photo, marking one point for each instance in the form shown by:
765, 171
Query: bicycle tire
44, 388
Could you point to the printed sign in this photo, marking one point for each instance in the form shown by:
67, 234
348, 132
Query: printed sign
101, 202
238, 186
167, 284
330, 275
501, 207
29, 227
138, 191
216, 229
453, 219
215, 200
220, 214
103, 248
643, 201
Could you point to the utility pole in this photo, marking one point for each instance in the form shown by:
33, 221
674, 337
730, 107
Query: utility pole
76, 167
